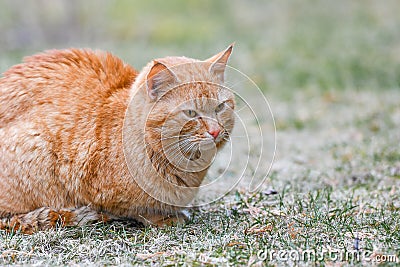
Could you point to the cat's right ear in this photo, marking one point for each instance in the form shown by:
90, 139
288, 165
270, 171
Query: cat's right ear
219, 61
159, 77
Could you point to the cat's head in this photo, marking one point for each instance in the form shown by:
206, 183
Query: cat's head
192, 113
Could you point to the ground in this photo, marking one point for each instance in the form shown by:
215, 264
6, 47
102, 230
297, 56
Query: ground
330, 71
335, 183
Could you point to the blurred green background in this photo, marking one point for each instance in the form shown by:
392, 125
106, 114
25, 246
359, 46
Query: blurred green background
282, 45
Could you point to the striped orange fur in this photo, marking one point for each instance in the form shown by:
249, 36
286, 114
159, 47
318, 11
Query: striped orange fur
81, 137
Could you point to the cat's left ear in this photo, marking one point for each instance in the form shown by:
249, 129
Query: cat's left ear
158, 78
218, 63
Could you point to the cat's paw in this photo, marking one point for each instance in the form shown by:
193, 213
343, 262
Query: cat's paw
178, 218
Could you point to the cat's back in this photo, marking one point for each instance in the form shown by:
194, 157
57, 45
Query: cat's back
62, 78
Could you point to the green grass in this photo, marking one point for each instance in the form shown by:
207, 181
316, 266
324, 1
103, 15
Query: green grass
283, 45
331, 190
331, 72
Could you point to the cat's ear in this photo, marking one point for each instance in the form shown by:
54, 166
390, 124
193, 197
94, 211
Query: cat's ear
218, 63
159, 77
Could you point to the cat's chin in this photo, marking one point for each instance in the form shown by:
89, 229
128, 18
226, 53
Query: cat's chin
206, 147
196, 155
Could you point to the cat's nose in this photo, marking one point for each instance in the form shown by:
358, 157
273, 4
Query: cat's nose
214, 132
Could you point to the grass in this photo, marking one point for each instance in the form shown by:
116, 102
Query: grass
331, 191
331, 73
285, 45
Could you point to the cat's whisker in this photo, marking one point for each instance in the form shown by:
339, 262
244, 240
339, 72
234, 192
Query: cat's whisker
181, 147
178, 155
158, 158
167, 138
183, 158
240, 109
191, 156
188, 148
175, 136
174, 148
227, 137
165, 145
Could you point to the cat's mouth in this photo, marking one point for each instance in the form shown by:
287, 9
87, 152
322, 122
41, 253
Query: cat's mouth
199, 148
199, 144
196, 155
190, 151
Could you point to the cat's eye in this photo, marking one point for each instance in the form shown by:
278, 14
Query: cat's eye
190, 113
220, 107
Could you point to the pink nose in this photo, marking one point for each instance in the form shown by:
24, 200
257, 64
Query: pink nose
214, 132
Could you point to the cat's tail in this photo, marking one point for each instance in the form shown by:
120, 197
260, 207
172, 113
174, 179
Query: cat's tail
46, 218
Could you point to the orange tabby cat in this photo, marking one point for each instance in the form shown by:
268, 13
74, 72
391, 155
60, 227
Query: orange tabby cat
84, 137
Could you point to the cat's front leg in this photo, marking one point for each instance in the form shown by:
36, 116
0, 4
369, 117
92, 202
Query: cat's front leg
160, 220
